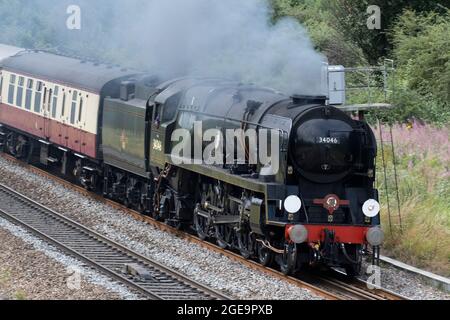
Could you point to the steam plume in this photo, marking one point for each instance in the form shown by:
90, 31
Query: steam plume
218, 38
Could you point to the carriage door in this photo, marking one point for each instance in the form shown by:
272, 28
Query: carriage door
64, 131
48, 95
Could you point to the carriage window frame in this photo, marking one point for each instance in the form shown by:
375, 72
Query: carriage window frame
38, 96
80, 110
73, 109
50, 98
44, 100
63, 109
19, 92
55, 101
12, 89
29, 94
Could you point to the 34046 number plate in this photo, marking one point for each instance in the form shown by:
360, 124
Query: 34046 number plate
328, 140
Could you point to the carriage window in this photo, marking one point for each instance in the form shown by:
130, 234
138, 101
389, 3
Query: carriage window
74, 107
1, 84
50, 94
55, 101
80, 112
19, 96
12, 86
38, 97
63, 110
29, 94
45, 95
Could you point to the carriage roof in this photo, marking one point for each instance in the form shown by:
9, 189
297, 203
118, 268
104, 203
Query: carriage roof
72, 72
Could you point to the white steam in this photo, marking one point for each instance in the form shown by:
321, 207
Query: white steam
219, 38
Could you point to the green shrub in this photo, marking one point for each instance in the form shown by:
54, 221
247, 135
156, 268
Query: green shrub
421, 50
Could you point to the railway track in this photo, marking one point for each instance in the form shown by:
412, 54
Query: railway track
330, 287
148, 278
349, 289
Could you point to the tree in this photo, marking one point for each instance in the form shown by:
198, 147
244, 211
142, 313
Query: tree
421, 47
316, 16
351, 17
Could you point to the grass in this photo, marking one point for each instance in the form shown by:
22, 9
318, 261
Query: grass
423, 158
20, 295
5, 279
5, 276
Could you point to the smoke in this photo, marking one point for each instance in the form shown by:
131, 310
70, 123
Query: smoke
233, 39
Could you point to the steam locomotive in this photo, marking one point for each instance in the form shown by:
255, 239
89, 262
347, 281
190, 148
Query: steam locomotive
112, 129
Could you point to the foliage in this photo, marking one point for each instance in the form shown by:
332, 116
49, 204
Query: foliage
424, 184
316, 16
422, 78
422, 45
418, 41
351, 17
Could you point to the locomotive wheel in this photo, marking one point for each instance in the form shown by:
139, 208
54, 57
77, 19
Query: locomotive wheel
288, 260
201, 225
224, 235
246, 244
156, 215
11, 144
164, 210
265, 255
127, 203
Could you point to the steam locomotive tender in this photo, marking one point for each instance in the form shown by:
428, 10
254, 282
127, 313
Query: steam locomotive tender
111, 129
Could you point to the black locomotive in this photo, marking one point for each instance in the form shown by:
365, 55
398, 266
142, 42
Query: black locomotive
317, 205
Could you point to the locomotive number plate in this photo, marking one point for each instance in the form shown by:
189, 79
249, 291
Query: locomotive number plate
328, 140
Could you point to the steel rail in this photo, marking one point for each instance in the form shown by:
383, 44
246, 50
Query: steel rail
357, 289
327, 288
105, 255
